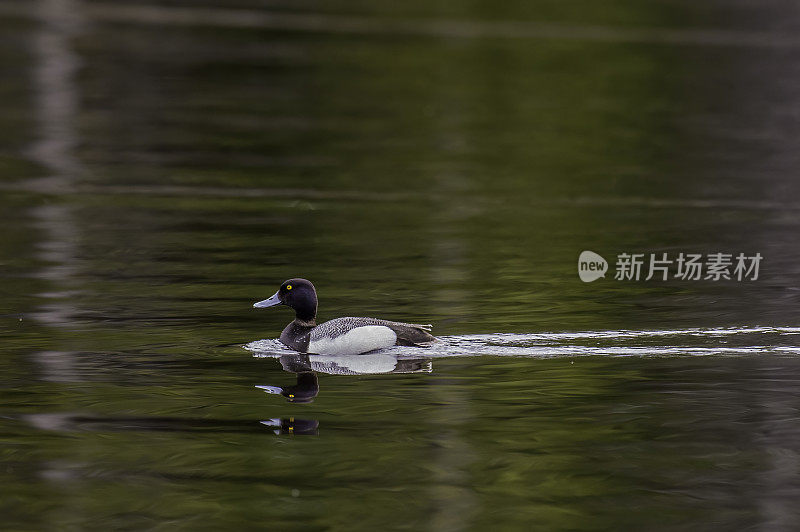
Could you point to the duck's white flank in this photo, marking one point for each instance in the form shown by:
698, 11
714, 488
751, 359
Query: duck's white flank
354, 342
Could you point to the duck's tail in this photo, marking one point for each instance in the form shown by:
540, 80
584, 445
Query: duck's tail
412, 334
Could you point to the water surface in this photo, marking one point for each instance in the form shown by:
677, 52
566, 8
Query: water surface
165, 165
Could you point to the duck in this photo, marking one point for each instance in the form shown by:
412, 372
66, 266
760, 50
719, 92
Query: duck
339, 336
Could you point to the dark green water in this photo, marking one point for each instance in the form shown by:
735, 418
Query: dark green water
161, 169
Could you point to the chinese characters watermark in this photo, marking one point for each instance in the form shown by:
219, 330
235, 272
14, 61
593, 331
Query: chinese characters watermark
662, 266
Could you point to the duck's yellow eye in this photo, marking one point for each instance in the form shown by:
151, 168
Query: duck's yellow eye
288, 287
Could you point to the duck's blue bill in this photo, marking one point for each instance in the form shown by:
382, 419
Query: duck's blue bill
271, 302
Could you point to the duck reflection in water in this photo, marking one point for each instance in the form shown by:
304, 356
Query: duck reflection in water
300, 427
306, 388
304, 391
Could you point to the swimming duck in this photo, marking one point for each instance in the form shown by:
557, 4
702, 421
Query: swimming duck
340, 336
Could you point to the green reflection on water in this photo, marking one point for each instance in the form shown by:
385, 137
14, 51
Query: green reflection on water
159, 179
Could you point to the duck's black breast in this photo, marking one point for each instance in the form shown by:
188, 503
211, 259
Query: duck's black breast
296, 336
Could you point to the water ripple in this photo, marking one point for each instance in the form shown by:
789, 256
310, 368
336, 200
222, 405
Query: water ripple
676, 342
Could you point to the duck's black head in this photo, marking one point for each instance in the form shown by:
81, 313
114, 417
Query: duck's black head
298, 294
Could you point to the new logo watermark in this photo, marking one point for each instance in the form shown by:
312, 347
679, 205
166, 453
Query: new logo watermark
591, 266
661, 267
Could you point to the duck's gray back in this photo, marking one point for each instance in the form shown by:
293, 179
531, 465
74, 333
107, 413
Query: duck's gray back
407, 333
